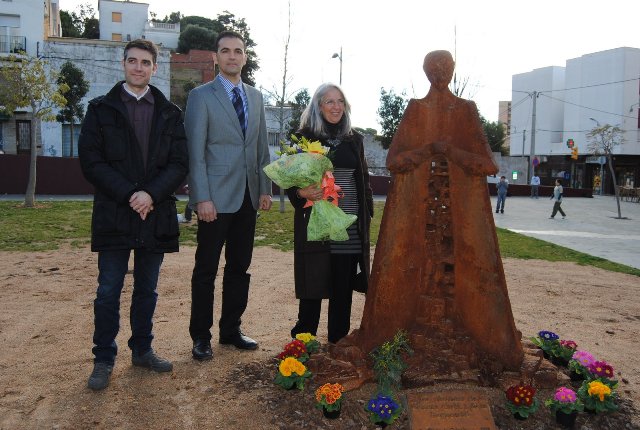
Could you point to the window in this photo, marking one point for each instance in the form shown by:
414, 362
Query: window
66, 139
23, 136
116, 37
116, 16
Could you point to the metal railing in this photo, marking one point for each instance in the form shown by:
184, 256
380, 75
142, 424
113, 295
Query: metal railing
13, 44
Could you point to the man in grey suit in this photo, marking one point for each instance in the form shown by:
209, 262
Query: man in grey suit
227, 140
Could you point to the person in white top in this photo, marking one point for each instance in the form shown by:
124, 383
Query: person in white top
557, 200
535, 183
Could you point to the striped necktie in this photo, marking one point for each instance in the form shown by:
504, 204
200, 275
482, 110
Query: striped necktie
239, 107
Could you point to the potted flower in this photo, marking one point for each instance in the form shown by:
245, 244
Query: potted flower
597, 397
521, 401
603, 372
562, 352
309, 341
292, 374
565, 405
579, 365
329, 399
383, 410
545, 340
295, 349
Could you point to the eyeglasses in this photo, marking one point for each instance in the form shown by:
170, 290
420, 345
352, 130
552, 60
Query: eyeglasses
333, 102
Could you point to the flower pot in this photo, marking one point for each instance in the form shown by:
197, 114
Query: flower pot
332, 415
545, 354
519, 417
575, 376
381, 424
566, 420
559, 361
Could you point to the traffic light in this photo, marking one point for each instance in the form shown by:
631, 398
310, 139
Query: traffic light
570, 143
574, 152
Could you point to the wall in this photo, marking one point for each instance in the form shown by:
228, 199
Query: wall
101, 63
29, 22
54, 175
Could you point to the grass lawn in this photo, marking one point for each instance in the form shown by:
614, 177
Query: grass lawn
52, 224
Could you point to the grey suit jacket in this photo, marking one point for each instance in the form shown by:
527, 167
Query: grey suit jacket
221, 161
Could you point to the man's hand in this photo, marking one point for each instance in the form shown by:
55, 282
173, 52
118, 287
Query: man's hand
141, 202
265, 202
207, 211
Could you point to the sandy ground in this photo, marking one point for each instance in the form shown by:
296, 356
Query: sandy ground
46, 324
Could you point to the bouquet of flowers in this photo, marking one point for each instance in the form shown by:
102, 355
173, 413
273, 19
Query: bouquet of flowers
521, 401
309, 341
292, 373
329, 397
597, 396
383, 409
304, 163
564, 400
296, 349
546, 341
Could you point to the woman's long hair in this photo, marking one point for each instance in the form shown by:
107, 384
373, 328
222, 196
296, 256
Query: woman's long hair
312, 119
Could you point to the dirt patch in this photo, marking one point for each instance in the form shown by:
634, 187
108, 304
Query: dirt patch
46, 325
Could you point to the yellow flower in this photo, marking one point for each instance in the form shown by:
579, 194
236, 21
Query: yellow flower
314, 147
290, 365
305, 337
599, 389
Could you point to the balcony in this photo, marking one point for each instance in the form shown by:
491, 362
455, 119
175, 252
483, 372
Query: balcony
12, 44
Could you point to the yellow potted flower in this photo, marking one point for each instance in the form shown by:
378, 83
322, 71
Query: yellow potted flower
292, 374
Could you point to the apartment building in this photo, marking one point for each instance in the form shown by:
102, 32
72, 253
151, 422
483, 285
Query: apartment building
551, 105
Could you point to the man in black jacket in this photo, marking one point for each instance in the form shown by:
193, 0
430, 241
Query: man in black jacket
133, 150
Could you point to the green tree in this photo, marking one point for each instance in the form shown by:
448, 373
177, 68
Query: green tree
196, 37
69, 24
27, 84
495, 135
224, 21
391, 110
298, 105
91, 29
81, 23
78, 88
602, 141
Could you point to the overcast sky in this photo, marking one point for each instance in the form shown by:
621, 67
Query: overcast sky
384, 42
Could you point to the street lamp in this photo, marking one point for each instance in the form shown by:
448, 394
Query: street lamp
601, 159
339, 56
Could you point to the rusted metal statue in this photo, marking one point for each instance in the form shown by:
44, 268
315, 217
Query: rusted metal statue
437, 271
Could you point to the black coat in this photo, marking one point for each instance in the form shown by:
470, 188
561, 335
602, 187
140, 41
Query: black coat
111, 160
312, 262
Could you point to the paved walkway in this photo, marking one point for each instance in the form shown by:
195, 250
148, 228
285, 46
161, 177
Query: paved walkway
590, 227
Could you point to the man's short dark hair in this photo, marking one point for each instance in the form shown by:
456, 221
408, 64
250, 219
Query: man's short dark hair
145, 45
231, 34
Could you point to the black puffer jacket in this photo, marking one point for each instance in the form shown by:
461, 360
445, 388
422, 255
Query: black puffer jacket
312, 262
111, 160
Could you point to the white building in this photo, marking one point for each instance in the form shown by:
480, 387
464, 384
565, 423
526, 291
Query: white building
24, 25
597, 88
124, 21
101, 63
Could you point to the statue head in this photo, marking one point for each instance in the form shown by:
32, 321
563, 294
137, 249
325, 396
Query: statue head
438, 66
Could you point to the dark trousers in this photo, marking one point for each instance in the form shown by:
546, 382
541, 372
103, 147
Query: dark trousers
556, 209
343, 270
236, 231
112, 267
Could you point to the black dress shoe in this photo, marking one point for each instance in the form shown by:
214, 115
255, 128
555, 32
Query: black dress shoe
202, 350
240, 341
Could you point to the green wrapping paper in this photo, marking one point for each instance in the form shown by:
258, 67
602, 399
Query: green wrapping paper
327, 221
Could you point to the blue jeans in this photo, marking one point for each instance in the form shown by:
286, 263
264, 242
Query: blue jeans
501, 199
112, 267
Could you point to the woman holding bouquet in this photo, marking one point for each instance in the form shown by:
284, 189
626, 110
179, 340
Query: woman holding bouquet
332, 269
